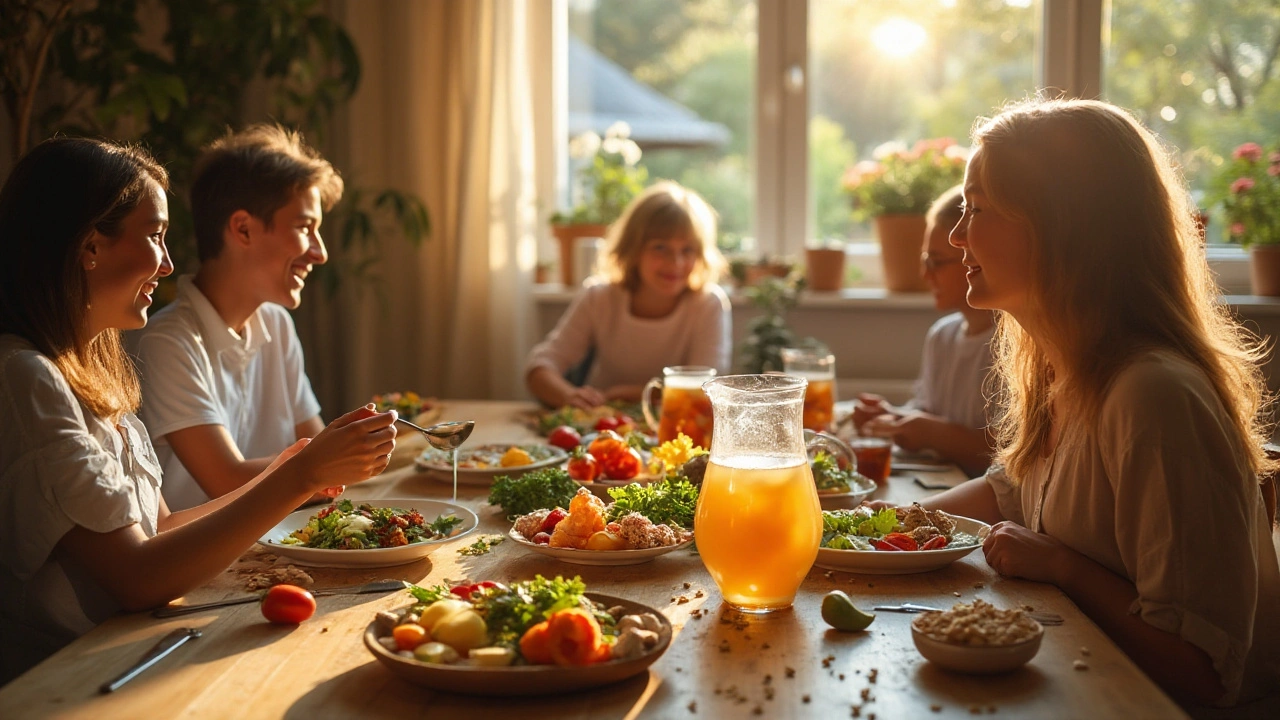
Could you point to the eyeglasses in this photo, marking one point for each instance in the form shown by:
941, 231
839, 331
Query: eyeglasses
667, 252
931, 264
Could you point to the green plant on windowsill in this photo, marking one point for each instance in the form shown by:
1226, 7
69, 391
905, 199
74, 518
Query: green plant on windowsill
768, 333
1248, 189
609, 177
904, 181
89, 69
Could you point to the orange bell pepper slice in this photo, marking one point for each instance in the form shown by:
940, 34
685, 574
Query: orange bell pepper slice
574, 637
535, 645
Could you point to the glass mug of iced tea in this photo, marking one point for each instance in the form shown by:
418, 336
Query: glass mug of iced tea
818, 367
758, 521
685, 407
875, 457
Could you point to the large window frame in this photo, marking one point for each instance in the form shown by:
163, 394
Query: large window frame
1069, 60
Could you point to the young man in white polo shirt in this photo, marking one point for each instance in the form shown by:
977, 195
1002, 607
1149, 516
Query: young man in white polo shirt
224, 387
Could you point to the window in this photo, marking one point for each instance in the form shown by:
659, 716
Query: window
1201, 74
681, 74
789, 93
885, 70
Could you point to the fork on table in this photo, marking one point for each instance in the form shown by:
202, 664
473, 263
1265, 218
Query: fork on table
1044, 618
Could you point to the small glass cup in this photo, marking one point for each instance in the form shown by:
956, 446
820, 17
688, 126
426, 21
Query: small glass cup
875, 457
818, 367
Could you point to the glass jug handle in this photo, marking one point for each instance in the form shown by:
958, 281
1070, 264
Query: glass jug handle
646, 403
834, 446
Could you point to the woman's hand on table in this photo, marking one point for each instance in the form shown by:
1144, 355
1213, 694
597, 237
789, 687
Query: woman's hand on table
353, 448
1014, 551
912, 432
867, 407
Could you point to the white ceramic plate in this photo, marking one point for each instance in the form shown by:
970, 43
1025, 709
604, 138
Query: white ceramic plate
845, 500
596, 557
429, 462
883, 562
518, 680
380, 557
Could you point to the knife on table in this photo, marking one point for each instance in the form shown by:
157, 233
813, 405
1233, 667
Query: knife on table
167, 644
373, 587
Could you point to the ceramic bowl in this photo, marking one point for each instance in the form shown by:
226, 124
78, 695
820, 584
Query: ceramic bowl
978, 659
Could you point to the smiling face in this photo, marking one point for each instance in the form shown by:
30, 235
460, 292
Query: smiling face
997, 250
665, 265
123, 271
284, 253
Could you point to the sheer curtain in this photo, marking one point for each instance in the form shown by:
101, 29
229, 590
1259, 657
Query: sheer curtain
446, 110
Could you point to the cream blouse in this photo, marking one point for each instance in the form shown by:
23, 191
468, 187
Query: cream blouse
60, 466
1157, 491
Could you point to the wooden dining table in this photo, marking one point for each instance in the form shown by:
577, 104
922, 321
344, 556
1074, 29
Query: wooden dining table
720, 664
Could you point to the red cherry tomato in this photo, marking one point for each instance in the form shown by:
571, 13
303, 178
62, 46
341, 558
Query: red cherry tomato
583, 467
606, 443
607, 423
463, 591
553, 518
622, 465
565, 438
288, 605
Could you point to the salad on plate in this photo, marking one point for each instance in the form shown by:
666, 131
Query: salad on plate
347, 526
903, 529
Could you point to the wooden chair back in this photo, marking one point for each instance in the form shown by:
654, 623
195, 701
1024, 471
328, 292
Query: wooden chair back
1268, 484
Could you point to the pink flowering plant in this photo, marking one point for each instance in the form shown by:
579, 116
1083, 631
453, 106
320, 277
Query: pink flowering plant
1248, 187
904, 181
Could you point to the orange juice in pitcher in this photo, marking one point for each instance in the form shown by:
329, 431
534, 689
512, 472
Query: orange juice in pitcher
818, 367
685, 407
758, 522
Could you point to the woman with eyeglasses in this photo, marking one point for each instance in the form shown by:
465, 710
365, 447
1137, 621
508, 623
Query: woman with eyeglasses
948, 413
660, 306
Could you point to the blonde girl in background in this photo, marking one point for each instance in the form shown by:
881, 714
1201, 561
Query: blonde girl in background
948, 413
658, 305
1132, 429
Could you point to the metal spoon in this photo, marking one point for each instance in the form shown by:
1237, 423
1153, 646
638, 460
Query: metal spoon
445, 435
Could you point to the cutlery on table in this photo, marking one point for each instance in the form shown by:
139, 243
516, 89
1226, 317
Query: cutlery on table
167, 644
919, 467
1044, 618
934, 485
372, 587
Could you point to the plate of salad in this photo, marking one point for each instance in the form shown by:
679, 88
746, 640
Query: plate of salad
480, 465
838, 487
642, 522
534, 637
373, 533
895, 541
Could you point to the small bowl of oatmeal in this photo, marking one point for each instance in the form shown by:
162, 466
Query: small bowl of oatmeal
977, 638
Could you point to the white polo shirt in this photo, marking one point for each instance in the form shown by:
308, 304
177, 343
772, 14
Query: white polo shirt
198, 371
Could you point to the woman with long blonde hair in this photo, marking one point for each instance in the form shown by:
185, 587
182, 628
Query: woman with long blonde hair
1131, 427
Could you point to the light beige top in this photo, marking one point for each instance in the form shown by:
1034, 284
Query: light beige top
1157, 491
631, 350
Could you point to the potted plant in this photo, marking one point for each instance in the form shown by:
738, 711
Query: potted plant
768, 333
1248, 188
609, 176
749, 272
895, 189
824, 266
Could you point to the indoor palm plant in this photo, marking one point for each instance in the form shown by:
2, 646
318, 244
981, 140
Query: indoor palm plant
609, 175
895, 190
1248, 189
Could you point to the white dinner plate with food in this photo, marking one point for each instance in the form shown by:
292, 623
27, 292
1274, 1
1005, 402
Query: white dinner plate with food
480, 465
374, 557
596, 557
858, 491
903, 562
518, 680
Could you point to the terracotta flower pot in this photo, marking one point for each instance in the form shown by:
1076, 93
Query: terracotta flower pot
568, 236
901, 239
824, 269
1264, 269
757, 272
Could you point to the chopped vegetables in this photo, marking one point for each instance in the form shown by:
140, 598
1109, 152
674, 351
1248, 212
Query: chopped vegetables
547, 488
891, 530
667, 502
345, 526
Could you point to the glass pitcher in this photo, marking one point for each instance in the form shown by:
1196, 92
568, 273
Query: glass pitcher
685, 408
818, 366
758, 522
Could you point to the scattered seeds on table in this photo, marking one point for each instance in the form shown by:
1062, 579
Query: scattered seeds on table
804, 698
791, 672
693, 706
1084, 651
935, 707
1080, 665
688, 585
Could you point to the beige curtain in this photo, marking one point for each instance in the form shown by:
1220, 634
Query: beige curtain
446, 109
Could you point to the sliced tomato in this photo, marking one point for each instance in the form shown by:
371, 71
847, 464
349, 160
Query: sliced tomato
935, 543
882, 545
902, 541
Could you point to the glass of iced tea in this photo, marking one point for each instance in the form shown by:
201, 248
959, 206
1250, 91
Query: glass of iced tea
685, 407
758, 522
818, 367
875, 456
